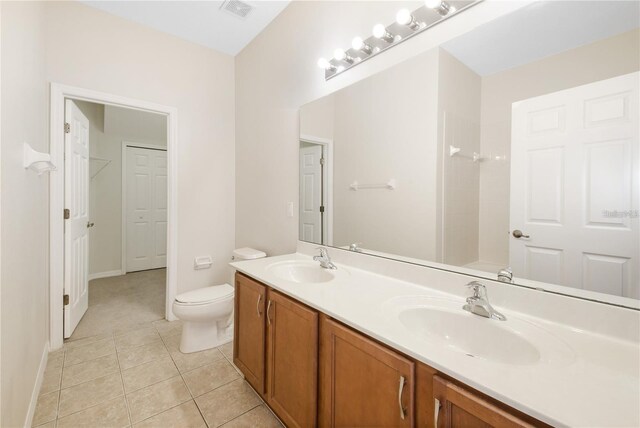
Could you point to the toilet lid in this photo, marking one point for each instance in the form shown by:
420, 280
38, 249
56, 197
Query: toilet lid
206, 294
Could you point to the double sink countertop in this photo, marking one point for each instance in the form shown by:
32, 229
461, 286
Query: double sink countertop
556, 373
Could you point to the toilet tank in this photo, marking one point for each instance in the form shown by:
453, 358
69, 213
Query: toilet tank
247, 253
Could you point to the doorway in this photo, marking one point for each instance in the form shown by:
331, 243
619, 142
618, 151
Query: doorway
99, 166
316, 193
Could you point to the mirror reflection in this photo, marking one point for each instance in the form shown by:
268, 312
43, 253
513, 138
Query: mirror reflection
510, 152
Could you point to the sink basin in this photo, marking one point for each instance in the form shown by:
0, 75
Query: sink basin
444, 323
301, 272
483, 338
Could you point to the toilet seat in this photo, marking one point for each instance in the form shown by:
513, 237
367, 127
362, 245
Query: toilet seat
205, 295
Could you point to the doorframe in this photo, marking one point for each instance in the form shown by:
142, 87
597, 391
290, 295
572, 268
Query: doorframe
58, 94
123, 202
327, 146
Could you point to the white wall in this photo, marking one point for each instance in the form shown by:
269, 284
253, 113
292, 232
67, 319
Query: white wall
380, 136
116, 56
109, 127
24, 241
604, 59
267, 102
459, 114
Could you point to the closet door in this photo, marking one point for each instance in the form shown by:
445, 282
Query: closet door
145, 184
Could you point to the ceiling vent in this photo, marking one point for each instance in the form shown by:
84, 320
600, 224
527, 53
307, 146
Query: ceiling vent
237, 8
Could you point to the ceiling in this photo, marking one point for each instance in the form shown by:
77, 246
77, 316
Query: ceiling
206, 23
542, 29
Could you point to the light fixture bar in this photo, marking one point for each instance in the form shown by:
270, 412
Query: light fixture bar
407, 24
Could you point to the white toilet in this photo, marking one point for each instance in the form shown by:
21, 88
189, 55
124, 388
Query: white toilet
207, 312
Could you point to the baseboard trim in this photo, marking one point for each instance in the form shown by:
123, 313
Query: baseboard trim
106, 274
36, 387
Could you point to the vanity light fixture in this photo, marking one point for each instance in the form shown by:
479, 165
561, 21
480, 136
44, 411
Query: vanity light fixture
441, 6
359, 45
404, 17
341, 55
326, 65
380, 32
407, 24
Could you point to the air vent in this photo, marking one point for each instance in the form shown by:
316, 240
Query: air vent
237, 8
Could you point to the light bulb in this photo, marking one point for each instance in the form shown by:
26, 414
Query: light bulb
357, 43
433, 4
452, 9
323, 63
339, 54
379, 31
404, 17
360, 46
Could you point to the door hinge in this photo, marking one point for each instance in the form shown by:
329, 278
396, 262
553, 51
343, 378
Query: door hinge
321, 208
65, 300
322, 161
67, 128
67, 214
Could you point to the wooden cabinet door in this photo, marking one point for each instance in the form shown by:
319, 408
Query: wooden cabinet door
249, 330
458, 407
362, 383
292, 360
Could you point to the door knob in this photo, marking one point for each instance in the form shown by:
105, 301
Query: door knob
518, 234
90, 224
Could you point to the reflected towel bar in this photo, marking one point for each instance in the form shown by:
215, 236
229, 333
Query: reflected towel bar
390, 185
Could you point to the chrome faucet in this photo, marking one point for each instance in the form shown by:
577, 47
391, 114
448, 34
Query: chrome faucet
324, 259
505, 275
478, 304
355, 247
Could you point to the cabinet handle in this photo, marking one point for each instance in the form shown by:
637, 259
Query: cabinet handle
436, 413
400, 390
258, 305
268, 308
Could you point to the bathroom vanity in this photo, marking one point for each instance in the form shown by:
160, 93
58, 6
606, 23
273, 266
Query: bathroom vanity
351, 347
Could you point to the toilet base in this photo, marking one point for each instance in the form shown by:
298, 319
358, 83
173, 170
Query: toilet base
199, 336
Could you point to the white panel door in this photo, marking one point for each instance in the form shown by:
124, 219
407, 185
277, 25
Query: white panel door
310, 194
76, 197
575, 187
146, 208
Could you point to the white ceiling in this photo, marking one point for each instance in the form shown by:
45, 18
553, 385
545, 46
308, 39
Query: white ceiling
201, 22
542, 29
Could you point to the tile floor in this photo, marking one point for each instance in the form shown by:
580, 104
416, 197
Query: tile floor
122, 302
122, 368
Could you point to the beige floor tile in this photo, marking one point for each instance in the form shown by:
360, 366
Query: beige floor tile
227, 350
46, 408
185, 415
227, 402
51, 424
89, 370
139, 337
142, 354
257, 417
168, 328
149, 373
157, 398
188, 362
74, 343
112, 413
52, 377
90, 393
122, 331
90, 352
55, 360
209, 377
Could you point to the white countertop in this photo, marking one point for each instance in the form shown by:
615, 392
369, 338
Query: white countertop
599, 386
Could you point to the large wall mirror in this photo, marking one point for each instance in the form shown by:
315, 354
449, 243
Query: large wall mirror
514, 146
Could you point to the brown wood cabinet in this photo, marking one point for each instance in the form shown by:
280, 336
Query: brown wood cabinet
457, 406
292, 360
314, 371
362, 383
249, 330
